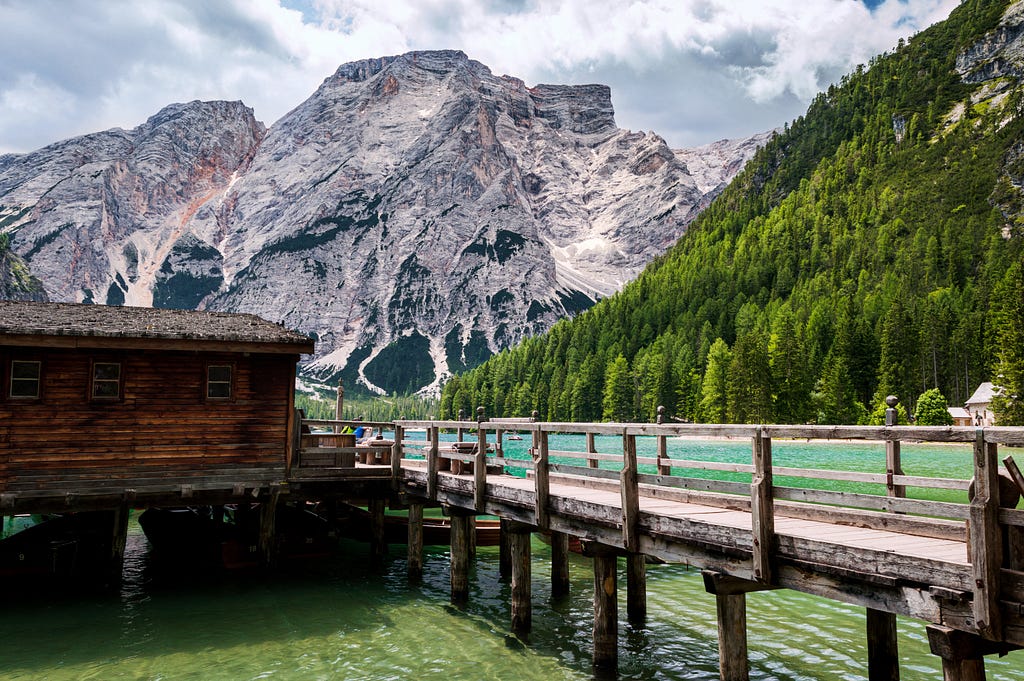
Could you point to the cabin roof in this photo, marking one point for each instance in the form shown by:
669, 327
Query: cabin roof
77, 325
983, 395
958, 412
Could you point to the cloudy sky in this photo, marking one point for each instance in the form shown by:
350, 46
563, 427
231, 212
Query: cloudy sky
693, 71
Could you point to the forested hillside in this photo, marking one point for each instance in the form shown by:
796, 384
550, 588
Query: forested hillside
872, 248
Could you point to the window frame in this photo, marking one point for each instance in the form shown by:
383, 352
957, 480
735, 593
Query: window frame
38, 379
94, 381
230, 383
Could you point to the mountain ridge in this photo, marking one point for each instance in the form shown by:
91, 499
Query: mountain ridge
415, 202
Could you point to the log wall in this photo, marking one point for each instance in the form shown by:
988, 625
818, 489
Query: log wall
162, 426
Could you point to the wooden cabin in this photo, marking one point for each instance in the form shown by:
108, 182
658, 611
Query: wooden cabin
145, 406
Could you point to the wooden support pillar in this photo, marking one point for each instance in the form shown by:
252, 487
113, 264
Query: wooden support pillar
732, 636
378, 543
636, 588
883, 650
119, 539
472, 537
559, 564
505, 549
268, 529
460, 556
963, 654
731, 601
522, 611
415, 555
606, 613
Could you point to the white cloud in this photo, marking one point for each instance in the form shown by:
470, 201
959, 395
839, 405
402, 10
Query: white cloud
693, 70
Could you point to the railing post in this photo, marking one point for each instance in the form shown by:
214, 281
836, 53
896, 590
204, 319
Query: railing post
459, 433
630, 494
540, 476
762, 508
893, 465
986, 540
396, 455
591, 449
664, 467
480, 464
432, 435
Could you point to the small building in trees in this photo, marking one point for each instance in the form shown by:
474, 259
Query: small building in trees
980, 405
960, 416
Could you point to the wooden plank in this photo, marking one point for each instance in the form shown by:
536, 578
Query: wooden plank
432, 462
480, 470
415, 543
541, 478
630, 491
883, 649
521, 587
732, 637
762, 509
606, 613
985, 539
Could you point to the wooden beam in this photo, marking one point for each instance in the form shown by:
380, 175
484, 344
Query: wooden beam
592, 449
636, 588
432, 467
480, 469
762, 509
962, 653
893, 467
559, 564
415, 548
630, 495
664, 465
726, 585
268, 528
519, 543
606, 613
542, 485
397, 451
118, 542
460, 555
986, 541
378, 542
733, 664
883, 649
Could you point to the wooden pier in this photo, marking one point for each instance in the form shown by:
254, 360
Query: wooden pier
959, 567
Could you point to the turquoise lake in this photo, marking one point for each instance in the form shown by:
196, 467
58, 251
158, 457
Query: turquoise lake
339, 619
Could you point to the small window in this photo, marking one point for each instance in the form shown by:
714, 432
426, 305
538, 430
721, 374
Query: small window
218, 381
106, 380
25, 379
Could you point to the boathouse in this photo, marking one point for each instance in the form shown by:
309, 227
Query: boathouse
109, 407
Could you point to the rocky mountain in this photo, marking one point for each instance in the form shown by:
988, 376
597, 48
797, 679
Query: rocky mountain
415, 215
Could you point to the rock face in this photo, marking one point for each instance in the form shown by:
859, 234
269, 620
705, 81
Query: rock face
415, 215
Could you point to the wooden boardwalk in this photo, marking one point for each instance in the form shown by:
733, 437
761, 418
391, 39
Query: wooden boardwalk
882, 551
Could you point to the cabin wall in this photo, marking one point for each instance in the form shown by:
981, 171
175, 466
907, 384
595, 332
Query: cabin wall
163, 424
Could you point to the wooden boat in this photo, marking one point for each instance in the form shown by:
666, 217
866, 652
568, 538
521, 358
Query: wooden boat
71, 545
196, 535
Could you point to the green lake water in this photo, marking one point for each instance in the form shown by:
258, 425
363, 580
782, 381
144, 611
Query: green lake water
338, 619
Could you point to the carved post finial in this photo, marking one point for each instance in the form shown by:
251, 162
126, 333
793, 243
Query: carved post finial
535, 415
479, 413
462, 414
891, 415
661, 414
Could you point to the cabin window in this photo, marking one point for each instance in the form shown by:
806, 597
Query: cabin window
106, 380
218, 381
25, 379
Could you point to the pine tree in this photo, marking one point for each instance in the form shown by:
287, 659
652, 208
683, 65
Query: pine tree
715, 387
619, 392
